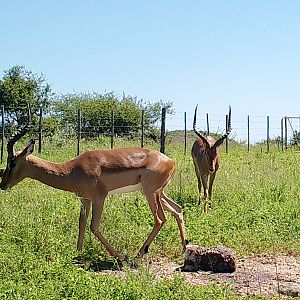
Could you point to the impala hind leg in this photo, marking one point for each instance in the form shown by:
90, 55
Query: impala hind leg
158, 216
176, 210
84, 213
97, 208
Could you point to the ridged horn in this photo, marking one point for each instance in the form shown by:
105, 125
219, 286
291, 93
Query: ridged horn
21, 132
228, 131
202, 137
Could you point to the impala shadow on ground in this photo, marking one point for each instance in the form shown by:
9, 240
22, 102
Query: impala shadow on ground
96, 265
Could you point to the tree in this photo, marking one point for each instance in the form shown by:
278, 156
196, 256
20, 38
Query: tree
295, 140
97, 111
20, 87
153, 110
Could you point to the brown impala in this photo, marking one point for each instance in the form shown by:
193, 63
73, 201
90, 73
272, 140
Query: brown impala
206, 157
94, 175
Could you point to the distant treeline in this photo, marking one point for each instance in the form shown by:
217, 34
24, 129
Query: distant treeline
18, 87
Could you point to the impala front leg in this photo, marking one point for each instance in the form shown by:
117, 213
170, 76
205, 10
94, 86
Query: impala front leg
199, 178
204, 179
211, 182
204, 183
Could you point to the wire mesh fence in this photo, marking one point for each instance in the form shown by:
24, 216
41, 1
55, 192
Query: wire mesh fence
270, 132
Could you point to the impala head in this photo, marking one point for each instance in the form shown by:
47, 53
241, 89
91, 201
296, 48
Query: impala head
211, 155
16, 162
211, 150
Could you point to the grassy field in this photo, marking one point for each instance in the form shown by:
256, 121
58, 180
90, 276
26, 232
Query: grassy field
255, 209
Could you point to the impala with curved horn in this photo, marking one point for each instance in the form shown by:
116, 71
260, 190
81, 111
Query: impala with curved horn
206, 157
96, 174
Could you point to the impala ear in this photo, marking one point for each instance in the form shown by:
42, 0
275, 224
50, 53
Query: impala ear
28, 149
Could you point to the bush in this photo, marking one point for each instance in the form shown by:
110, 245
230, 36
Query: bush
96, 110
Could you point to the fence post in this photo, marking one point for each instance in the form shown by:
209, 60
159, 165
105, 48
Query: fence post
142, 126
40, 129
207, 123
78, 130
2, 134
268, 134
112, 129
226, 128
185, 141
248, 132
163, 130
281, 138
285, 132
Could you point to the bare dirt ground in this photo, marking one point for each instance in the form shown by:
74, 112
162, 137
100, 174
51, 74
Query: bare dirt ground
264, 275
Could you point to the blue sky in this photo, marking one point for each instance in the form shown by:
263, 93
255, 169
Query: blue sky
214, 53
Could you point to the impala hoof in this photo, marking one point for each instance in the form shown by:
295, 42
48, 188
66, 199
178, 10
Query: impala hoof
122, 257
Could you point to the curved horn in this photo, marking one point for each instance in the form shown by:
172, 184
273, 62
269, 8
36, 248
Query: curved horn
202, 137
21, 132
228, 130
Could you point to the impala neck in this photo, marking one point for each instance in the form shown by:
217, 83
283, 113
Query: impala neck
50, 173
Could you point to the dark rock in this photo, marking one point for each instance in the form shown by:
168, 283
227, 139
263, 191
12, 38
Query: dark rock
291, 289
217, 260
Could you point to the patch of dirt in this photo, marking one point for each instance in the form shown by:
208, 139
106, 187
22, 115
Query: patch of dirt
264, 275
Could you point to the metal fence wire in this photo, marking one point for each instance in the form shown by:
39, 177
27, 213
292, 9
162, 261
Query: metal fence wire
270, 132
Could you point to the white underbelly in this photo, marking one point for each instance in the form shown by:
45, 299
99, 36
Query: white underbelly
126, 189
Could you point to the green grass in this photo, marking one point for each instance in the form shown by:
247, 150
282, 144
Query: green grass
255, 209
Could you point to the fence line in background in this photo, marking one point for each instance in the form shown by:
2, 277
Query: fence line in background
248, 133
142, 128
185, 135
207, 124
40, 130
163, 131
268, 134
285, 122
112, 130
226, 129
78, 130
2, 135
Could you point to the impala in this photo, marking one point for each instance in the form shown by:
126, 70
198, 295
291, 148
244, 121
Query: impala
94, 175
206, 157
